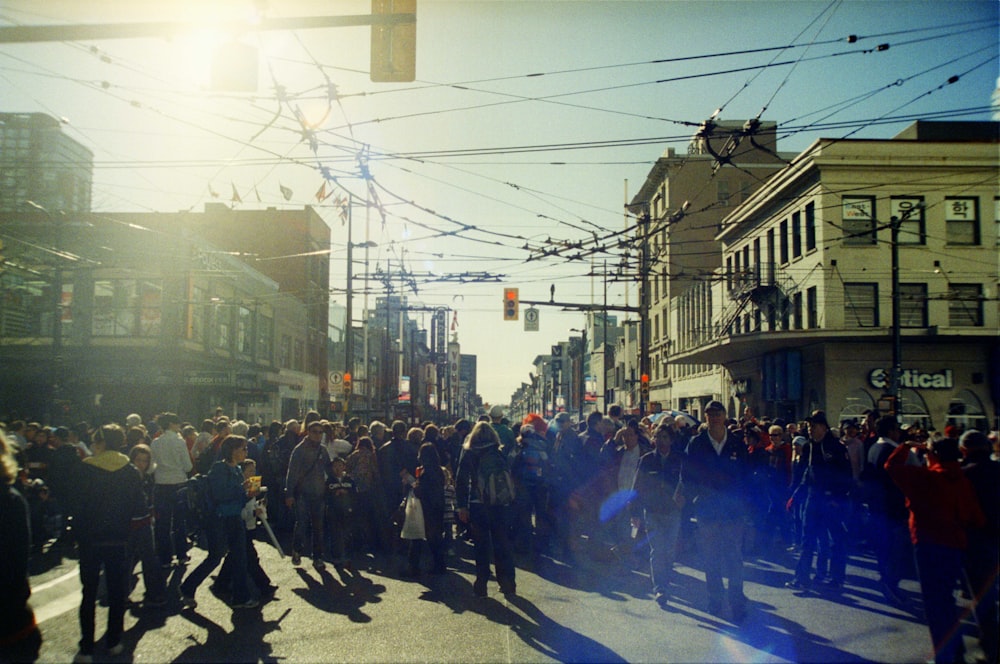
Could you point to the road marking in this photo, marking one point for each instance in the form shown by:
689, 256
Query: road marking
56, 581
58, 607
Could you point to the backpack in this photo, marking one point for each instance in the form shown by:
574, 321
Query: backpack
201, 506
533, 468
493, 480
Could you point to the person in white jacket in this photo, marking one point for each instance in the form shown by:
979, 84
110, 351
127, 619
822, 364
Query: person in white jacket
173, 463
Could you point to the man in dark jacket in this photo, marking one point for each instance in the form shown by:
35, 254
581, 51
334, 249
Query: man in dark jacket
887, 507
110, 498
715, 476
825, 485
657, 508
982, 558
396, 458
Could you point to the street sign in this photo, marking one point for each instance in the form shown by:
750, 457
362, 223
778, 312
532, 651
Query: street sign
531, 320
557, 350
336, 383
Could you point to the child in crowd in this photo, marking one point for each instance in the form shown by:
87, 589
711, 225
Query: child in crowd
260, 580
340, 497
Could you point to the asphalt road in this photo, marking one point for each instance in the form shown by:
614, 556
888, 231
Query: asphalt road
599, 611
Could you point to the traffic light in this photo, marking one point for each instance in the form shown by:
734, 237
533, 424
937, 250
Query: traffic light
347, 385
644, 387
510, 303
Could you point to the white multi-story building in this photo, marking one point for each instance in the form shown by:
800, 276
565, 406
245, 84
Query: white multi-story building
801, 315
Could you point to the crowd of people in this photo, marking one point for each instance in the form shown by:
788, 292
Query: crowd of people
610, 487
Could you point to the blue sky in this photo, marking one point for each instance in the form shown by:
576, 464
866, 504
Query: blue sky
491, 77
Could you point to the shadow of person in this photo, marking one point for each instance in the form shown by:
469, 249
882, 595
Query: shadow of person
329, 595
554, 640
245, 643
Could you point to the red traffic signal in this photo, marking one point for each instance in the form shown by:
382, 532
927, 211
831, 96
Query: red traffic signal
347, 382
510, 303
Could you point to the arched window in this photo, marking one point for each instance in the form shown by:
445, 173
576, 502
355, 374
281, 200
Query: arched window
855, 404
966, 410
913, 410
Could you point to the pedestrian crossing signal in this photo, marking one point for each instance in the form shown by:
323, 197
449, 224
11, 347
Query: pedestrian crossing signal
510, 303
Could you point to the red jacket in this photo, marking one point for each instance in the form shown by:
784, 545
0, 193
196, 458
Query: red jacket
940, 498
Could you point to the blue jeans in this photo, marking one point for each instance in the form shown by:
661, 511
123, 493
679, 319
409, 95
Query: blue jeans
662, 531
310, 511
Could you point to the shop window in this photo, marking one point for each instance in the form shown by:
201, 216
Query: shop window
858, 220
966, 410
965, 305
855, 404
913, 410
913, 305
961, 219
723, 193
910, 213
861, 305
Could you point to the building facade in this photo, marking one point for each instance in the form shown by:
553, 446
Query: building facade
801, 315
42, 167
684, 198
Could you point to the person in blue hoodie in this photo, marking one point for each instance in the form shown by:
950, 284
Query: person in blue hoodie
228, 489
110, 501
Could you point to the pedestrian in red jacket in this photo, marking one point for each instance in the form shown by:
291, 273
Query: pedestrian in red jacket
942, 506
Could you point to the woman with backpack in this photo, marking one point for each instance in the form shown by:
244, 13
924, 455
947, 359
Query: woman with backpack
485, 492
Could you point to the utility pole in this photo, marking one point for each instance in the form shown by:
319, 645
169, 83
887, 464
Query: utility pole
897, 339
644, 303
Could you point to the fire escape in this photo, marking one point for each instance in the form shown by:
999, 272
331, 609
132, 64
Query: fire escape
763, 286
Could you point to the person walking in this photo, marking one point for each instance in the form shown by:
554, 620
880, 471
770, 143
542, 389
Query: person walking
656, 509
110, 498
305, 491
229, 492
715, 475
943, 505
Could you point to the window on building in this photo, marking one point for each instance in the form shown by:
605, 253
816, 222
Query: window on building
812, 313
910, 213
299, 355
810, 219
196, 314
858, 220
913, 409
127, 308
723, 192
961, 219
797, 311
783, 241
265, 338
966, 410
244, 331
656, 327
913, 305
285, 352
965, 305
796, 235
729, 272
861, 305
855, 404
222, 315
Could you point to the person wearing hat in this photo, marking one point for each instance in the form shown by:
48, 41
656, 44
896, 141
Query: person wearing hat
715, 476
826, 485
982, 558
508, 439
